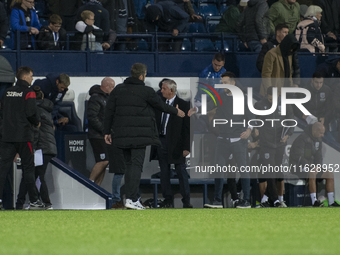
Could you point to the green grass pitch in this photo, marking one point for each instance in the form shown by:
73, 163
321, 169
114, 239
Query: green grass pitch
171, 231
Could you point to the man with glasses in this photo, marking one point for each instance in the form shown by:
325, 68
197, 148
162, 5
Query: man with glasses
25, 19
52, 37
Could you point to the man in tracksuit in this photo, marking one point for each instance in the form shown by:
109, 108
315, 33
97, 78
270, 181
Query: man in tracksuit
273, 140
19, 116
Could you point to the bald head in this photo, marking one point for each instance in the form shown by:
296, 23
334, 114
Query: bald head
318, 130
107, 85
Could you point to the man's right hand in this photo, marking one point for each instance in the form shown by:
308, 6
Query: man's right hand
180, 113
107, 139
192, 111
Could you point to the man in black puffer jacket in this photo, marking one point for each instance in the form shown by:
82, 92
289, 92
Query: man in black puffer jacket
252, 30
95, 116
130, 124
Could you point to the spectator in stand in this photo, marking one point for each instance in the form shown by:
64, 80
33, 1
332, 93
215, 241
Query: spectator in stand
67, 10
53, 36
306, 151
3, 24
330, 25
283, 11
102, 19
252, 31
278, 64
95, 116
211, 73
43, 140
308, 31
303, 10
140, 6
186, 6
330, 69
123, 20
167, 17
281, 30
230, 18
320, 104
88, 34
24, 19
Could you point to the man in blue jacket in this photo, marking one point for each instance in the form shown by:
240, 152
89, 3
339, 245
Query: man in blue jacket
24, 19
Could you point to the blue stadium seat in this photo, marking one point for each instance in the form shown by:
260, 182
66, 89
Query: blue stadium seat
226, 45
40, 7
43, 22
204, 45
208, 10
186, 45
223, 8
143, 45
197, 28
211, 22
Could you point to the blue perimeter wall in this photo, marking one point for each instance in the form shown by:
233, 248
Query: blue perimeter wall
80, 63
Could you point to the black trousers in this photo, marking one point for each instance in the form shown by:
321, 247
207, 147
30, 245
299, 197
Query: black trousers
40, 172
8, 152
133, 161
162, 152
272, 157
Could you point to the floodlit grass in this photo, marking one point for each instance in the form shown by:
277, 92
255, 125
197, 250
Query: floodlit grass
172, 231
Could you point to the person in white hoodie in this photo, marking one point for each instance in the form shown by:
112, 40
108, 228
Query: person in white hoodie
90, 35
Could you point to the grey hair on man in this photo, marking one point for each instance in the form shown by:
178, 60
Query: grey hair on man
171, 85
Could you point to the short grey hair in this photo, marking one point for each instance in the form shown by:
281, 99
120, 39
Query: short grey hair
171, 85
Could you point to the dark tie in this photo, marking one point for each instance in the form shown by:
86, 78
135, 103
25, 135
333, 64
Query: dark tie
164, 120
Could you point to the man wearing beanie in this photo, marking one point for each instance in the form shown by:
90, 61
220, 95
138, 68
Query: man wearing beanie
167, 17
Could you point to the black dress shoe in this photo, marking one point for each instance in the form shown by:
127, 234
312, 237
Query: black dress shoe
166, 204
187, 206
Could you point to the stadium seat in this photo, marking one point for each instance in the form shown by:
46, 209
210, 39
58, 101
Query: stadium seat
208, 10
143, 45
223, 8
226, 45
186, 45
204, 45
211, 22
197, 28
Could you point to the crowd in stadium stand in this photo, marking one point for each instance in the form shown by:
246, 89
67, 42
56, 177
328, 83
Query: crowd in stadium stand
314, 23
